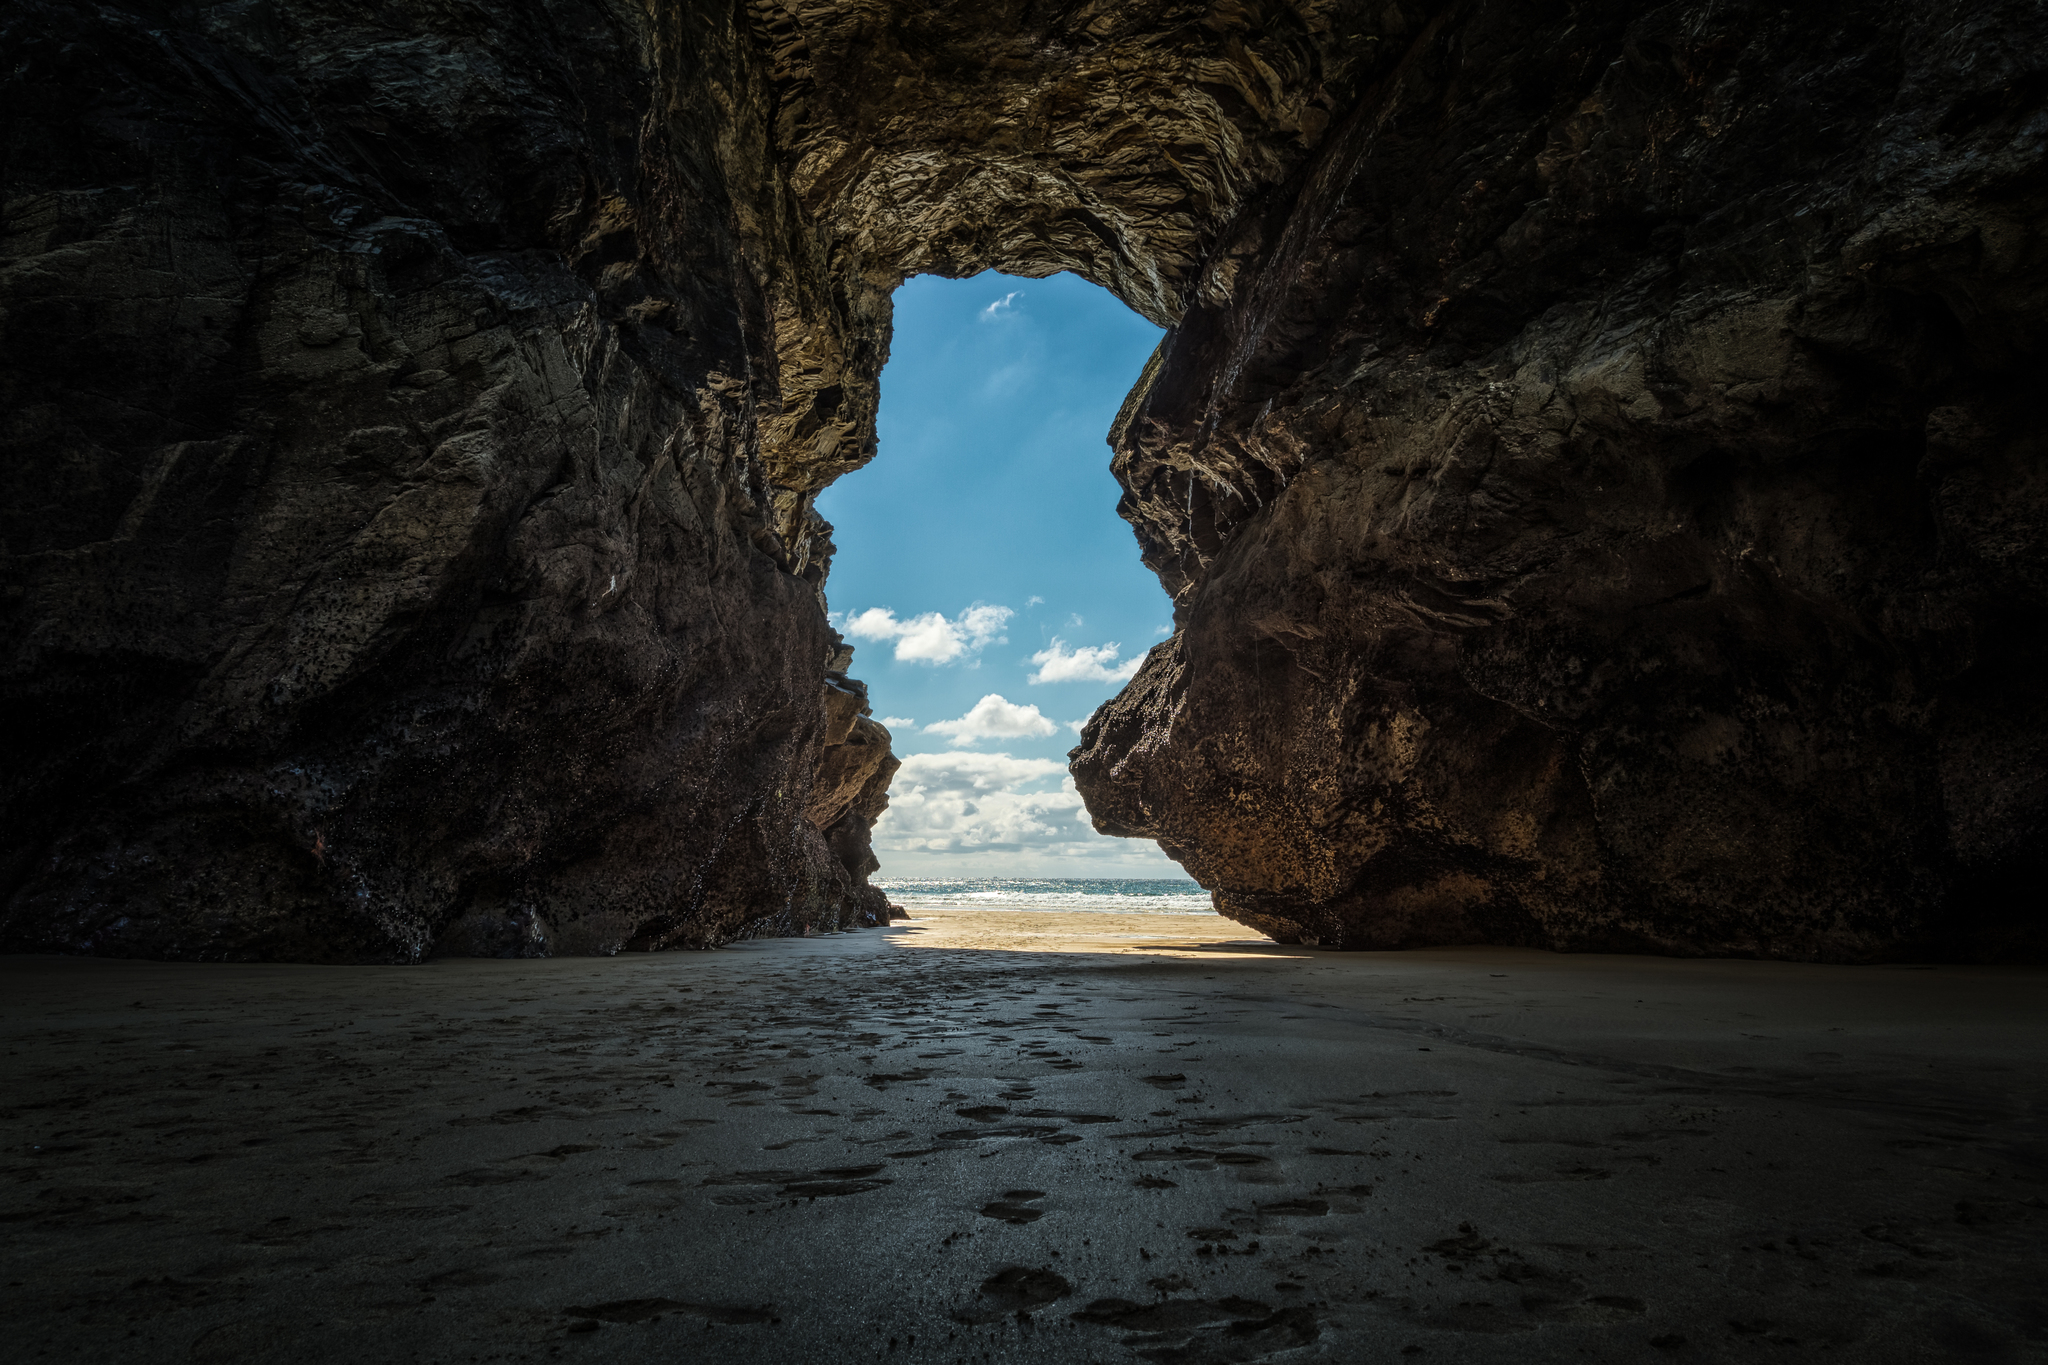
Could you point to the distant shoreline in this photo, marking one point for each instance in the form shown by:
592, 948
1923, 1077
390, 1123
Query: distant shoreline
1109, 906
1088, 895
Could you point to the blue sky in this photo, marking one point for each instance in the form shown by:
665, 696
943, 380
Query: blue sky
993, 596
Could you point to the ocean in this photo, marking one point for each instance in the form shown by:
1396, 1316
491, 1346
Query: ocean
1162, 896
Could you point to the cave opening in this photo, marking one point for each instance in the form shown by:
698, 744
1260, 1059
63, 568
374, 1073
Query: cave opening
992, 592
412, 417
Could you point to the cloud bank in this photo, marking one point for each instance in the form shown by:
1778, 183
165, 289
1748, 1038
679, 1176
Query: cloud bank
994, 815
1089, 663
995, 717
931, 638
952, 803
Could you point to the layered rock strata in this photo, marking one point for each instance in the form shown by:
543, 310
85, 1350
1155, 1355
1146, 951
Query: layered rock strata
1590, 460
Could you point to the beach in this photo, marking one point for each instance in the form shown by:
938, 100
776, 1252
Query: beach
1011, 928
1003, 1135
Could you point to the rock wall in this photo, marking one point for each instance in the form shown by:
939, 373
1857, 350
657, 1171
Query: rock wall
389, 545
1604, 498
1590, 459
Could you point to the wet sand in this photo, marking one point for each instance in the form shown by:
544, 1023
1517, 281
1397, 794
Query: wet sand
1024, 1137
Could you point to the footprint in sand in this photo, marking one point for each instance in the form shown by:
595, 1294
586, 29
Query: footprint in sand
1014, 1289
653, 1310
1015, 1207
982, 1113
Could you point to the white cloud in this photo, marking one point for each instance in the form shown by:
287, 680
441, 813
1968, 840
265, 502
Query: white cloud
962, 773
1034, 601
943, 809
994, 717
905, 721
951, 803
931, 638
1164, 630
989, 815
1089, 663
1075, 725
1074, 620
1001, 308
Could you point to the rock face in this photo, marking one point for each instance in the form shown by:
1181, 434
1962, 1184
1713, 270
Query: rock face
390, 558
1605, 503
1590, 458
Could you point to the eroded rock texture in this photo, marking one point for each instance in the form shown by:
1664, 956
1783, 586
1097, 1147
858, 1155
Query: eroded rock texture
387, 533
1604, 498
1110, 138
1591, 459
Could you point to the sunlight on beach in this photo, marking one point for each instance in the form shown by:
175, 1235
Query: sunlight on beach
1153, 934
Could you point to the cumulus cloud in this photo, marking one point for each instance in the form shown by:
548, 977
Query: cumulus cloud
904, 721
968, 773
932, 638
949, 803
1089, 663
1002, 307
1075, 725
991, 815
994, 717
1034, 601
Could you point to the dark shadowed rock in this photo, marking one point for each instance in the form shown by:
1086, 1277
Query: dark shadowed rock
1592, 460
1603, 500
390, 558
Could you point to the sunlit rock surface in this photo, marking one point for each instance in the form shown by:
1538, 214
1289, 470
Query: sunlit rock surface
1591, 460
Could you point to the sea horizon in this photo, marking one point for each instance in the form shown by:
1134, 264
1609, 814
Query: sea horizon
1114, 895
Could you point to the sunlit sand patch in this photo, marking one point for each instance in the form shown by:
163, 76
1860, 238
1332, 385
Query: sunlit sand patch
1075, 931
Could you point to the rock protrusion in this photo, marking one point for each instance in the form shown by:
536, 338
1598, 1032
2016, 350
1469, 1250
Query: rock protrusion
1608, 512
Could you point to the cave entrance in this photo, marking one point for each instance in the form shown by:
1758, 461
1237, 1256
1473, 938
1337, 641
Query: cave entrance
994, 595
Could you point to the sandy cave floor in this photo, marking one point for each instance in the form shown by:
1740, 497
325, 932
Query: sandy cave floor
985, 1136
